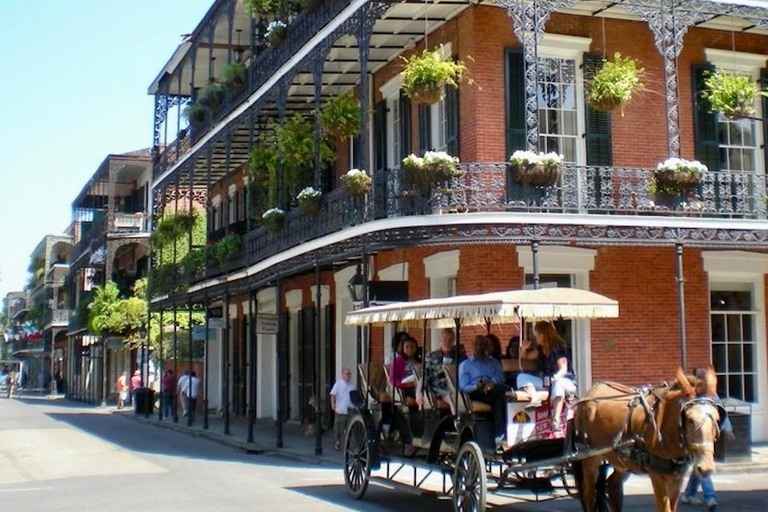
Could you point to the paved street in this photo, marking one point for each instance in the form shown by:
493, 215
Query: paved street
57, 456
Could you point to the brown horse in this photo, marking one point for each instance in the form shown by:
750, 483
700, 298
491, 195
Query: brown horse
659, 431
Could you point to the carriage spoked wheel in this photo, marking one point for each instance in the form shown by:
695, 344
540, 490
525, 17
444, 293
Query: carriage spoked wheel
357, 459
470, 484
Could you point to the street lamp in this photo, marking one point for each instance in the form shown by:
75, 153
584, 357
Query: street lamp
356, 286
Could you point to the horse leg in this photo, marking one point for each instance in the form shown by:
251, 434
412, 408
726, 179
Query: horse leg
586, 473
615, 490
661, 493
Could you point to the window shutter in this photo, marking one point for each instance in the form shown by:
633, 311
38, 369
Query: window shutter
598, 123
405, 126
380, 136
515, 105
379, 157
452, 120
764, 86
425, 128
704, 121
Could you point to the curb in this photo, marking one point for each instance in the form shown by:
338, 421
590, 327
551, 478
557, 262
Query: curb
254, 448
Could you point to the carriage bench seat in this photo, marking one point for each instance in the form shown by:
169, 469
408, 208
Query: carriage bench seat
523, 396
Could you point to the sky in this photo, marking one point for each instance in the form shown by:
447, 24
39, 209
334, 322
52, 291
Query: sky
94, 61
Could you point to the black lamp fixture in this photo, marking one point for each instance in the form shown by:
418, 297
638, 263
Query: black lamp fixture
238, 49
356, 286
143, 332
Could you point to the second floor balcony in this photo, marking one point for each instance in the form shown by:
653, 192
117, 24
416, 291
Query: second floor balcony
56, 318
592, 195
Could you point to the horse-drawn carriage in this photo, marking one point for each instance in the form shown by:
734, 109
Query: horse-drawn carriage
457, 453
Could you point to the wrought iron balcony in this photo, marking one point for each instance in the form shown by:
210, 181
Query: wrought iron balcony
130, 222
264, 64
490, 187
57, 317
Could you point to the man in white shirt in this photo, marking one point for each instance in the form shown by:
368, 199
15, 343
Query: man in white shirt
340, 402
192, 391
181, 391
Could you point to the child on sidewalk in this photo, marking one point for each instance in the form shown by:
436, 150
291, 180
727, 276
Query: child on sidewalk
340, 403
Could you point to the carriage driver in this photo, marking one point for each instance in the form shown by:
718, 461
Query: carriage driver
555, 360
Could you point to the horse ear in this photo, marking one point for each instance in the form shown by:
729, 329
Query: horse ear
684, 383
711, 380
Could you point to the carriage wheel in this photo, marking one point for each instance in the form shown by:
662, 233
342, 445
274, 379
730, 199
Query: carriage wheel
357, 459
470, 484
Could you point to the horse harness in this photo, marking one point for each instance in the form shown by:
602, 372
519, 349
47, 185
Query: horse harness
633, 447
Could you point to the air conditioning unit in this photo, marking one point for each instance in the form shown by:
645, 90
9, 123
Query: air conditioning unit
130, 269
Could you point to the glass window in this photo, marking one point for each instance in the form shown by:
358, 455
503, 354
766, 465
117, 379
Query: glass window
733, 343
558, 107
738, 144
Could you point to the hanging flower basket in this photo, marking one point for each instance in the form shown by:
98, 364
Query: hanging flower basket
276, 32
537, 169
273, 219
426, 75
435, 167
357, 182
428, 94
732, 94
311, 5
309, 201
676, 176
612, 86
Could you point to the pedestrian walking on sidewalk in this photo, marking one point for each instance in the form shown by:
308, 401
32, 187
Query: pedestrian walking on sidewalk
166, 395
707, 487
135, 385
122, 390
340, 403
181, 391
192, 390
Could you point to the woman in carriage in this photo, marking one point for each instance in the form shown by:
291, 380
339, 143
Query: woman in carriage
557, 366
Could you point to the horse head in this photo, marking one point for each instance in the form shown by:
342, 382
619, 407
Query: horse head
699, 419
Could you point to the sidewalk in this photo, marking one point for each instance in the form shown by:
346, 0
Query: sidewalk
300, 447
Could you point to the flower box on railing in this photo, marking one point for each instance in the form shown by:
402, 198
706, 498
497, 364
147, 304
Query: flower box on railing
676, 176
537, 169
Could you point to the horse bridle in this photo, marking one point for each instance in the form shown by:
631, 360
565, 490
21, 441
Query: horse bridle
711, 405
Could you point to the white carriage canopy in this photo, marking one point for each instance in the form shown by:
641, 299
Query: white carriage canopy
496, 307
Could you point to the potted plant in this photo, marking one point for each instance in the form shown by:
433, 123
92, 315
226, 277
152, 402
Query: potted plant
356, 182
273, 219
537, 169
234, 76
611, 87
211, 95
226, 249
675, 176
434, 167
309, 200
341, 117
261, 7
425, 75
276, 31
732, 94
311, 5
197, 114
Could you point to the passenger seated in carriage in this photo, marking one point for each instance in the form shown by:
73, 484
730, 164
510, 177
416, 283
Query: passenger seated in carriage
555, 361
481, 377
435, 380
403, 374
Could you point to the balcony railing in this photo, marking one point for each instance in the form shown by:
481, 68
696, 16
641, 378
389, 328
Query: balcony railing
130, 222
262, 67
490, 187
57, 317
